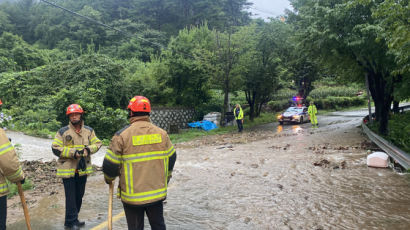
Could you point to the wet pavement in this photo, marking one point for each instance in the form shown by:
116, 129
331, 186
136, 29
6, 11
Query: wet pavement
272, 177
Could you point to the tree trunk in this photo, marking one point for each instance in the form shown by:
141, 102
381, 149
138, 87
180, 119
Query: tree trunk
381, 93
395, 107
226, 97
250, 97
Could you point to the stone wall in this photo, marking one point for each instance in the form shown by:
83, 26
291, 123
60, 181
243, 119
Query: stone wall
172, 119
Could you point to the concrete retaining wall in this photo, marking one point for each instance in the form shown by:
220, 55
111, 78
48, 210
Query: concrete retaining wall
172, 119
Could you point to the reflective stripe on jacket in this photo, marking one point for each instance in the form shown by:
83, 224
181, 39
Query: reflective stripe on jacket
10, 167
65, 144
240, 115
139, 155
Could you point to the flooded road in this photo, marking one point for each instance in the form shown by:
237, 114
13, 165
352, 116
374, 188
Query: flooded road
270, 177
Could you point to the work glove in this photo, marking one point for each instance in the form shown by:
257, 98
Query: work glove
81, 164
88, 150
79, 152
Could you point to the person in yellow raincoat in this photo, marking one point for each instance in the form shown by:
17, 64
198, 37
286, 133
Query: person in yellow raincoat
312, 111
238, 113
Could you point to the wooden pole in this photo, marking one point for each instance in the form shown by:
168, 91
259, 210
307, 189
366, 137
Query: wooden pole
110, 206
23, 203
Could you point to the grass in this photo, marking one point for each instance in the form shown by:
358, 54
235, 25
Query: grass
13, 187
193, 133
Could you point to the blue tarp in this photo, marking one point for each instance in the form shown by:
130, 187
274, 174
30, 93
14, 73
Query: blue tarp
205, 125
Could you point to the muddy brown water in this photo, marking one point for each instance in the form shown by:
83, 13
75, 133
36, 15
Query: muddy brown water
263, 179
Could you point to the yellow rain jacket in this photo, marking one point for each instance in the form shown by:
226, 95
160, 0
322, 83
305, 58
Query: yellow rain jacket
312, 111
10, 167
240, 115
65, 144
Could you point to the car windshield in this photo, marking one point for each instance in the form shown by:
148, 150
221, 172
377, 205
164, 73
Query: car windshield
294, 109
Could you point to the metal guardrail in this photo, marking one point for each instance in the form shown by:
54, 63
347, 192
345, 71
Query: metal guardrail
397, 154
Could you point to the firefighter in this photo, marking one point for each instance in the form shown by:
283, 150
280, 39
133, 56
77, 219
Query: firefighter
238, 113
73, 145
312, 111
10, 169
143, 157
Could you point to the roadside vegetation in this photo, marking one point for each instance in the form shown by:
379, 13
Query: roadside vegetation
13, 190
399, 130
207, 55
28, 184
193, 133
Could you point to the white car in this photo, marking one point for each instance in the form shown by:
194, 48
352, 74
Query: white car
294, 114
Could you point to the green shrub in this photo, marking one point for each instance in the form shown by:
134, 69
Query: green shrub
339, 91
13, 190
399, 129
338, 102
284, 94
278, 105
39, 98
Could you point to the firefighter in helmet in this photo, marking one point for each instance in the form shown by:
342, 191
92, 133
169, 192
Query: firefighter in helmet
73, 145
143, 157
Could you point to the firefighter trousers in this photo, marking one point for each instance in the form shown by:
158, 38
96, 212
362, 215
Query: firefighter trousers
135, 216
3, 212
74, 189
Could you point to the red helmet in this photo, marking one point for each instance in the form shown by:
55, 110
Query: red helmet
139, 104
74, 108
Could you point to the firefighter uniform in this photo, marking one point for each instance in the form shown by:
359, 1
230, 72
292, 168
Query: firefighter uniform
67, 142
312, 111
143, 157
11, 170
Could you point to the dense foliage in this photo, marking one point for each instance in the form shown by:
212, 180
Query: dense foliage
196, 53
399, 126
38, 98
349, 38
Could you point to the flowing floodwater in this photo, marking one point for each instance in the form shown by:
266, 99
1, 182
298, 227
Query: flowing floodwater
262, 179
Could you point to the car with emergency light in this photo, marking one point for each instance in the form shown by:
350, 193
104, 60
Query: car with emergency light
296, 114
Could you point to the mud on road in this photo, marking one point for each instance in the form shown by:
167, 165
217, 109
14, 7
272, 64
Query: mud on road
271, 177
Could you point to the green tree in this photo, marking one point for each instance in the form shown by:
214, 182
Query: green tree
188, 58
345, 36
259, 64
39, 97
19, 55
394, 20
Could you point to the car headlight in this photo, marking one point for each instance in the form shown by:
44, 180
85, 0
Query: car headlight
279, 116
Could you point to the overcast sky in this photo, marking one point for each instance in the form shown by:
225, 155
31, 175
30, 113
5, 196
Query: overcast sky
269, 8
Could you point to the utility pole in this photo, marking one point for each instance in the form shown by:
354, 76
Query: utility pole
368, 98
